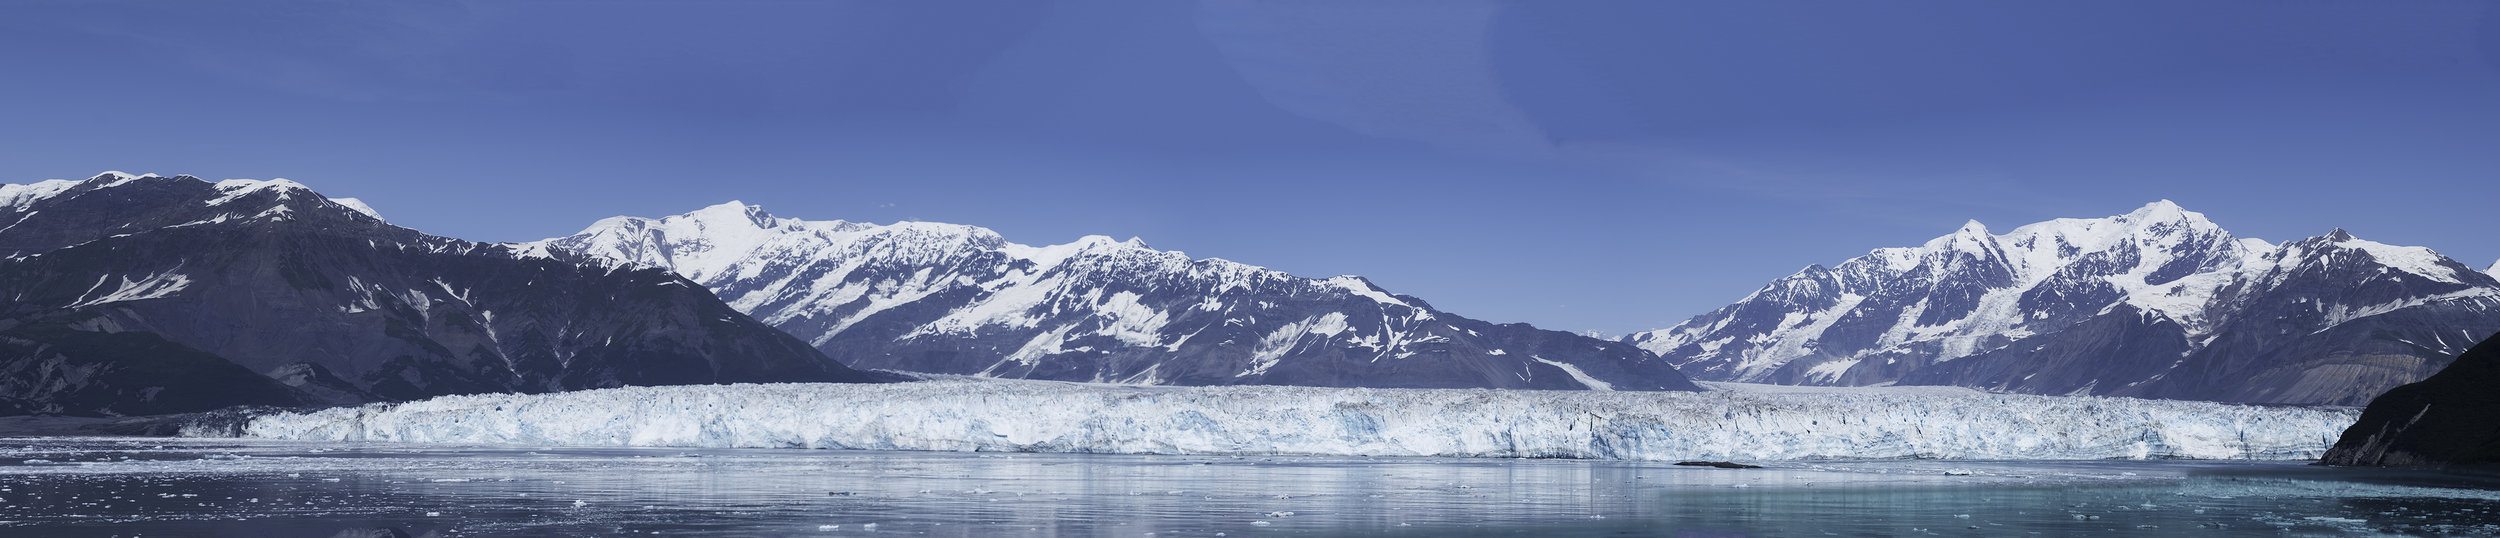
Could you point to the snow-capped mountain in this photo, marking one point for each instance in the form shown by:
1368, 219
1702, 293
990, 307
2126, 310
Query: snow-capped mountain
137, 294
2158, 302
947, 298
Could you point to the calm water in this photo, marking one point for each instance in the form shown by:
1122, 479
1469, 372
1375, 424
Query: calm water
165, 487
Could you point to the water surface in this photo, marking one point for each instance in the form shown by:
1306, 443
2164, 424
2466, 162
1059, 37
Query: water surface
193, 487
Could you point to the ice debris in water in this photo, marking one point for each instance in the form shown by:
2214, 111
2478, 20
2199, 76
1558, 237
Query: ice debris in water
1037, 416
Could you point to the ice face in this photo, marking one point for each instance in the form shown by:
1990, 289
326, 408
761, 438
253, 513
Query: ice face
1032, 416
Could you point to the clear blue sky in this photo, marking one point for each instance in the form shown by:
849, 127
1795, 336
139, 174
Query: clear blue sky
1576, 164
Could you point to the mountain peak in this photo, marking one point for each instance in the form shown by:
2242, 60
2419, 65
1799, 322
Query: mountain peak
2159, 207
1363, 287
2167, 212
2339, 236
113, 175
2158, 211
731, 212
1971, 237
232, 185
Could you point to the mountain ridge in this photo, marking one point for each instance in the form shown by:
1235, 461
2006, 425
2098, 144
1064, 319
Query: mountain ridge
336, 305
960, 299
2183, 297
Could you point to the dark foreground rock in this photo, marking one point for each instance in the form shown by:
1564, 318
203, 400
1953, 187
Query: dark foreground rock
227, 422
2451, 418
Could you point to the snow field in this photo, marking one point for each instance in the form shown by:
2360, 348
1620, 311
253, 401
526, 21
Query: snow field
1039, 416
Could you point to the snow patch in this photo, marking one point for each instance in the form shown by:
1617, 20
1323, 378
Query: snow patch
1364, 288
1576, 375
1830, 372
2416, 260
235, 189
23, 197
153, 286
358, 206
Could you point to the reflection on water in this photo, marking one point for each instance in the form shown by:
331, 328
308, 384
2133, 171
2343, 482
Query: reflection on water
103, 487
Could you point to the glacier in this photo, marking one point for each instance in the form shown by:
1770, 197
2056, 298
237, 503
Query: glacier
987, 415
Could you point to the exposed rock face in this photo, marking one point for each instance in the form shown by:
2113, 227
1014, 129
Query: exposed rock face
54, 369
2158, 303
333, 304
2451, 418
945, 298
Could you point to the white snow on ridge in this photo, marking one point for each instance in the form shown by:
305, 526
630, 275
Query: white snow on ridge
23, 197
359, 207
782, 270
1032, 416
2417, 260
1363, 288
234, 189
2032, 255
18, 197
2159, 260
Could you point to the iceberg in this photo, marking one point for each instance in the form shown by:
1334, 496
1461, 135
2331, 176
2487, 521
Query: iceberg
985, 415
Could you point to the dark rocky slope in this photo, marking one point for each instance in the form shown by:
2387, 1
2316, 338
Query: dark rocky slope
150, 276
2451, 418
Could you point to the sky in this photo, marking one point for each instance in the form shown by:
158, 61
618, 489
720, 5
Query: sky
1576, 164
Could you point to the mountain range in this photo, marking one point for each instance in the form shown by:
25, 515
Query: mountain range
140, 294
2159, 302
956, 299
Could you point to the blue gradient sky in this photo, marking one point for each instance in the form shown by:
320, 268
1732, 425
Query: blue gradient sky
1576, 164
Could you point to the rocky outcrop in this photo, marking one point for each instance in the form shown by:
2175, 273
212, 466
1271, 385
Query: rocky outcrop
2452, 418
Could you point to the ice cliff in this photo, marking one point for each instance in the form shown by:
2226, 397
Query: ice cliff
1036, 416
